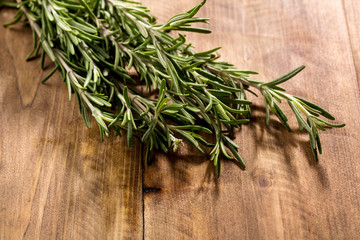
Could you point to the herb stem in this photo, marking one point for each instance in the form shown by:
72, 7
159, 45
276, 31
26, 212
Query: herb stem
194, 91
243, 81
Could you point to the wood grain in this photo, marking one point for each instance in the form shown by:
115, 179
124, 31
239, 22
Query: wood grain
283, 194
351, 9
57, 179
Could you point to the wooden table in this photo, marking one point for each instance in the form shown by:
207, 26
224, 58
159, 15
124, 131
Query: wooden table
57, 180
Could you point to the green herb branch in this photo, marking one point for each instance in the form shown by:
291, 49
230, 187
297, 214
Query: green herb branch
105, 49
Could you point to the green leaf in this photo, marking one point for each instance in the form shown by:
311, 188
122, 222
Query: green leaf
193, 128
299, 117
129, 133
16, 19
126, 96
234, 100
210, 76
229, 141
85, 116
192, 29
99, 120
223, 87
88, 76
267, 113
50, 74
142, 30
162, 91
320, 109
236, 122
236, 155
191, 139
117, 56
331, 124
318, 143
219, 93
240, 72
192, 12
285, 77
4, 3
207, 53
48, 50
68, 5
192, 109
147, 154
223, 150
169, 111
68, 84
149, 131
87, 8
99, 101
281, 115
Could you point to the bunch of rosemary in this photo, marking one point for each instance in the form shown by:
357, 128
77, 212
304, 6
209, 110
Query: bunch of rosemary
105, 49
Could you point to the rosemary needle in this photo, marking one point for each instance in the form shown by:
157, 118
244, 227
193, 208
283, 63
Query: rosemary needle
98, 45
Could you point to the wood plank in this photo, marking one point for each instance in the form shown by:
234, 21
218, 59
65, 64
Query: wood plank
352, 13
57, 179
283, 194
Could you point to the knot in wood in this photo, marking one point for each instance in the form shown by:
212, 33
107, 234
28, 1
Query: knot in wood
264, 181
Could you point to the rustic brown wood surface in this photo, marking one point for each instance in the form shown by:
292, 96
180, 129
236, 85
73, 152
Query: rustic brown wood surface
57, 180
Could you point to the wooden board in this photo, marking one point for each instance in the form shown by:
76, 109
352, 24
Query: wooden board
283, 194
352, 13
59, 181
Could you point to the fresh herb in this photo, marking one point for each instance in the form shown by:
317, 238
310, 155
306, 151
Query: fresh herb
105, 49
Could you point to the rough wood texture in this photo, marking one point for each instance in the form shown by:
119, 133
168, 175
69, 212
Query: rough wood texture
283, 194
59, 181
352, 13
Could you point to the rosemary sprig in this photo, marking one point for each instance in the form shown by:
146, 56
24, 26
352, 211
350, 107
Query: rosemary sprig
105, 49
